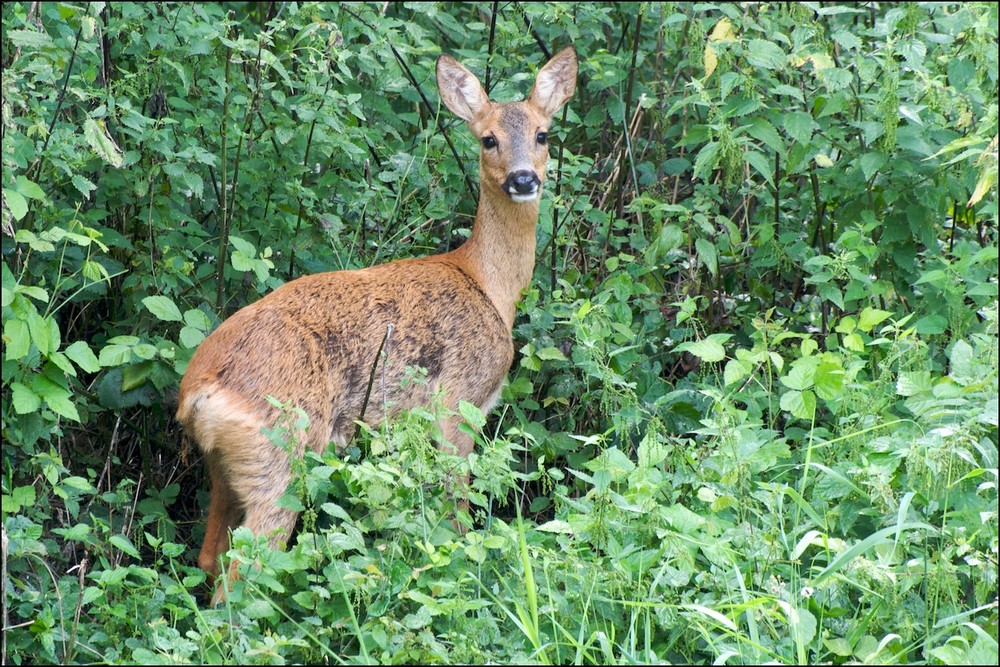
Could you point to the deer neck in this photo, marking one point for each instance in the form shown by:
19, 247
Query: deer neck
500, 253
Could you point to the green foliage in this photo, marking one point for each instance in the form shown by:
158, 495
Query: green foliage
754, 412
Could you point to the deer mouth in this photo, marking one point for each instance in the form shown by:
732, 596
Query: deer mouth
523, 186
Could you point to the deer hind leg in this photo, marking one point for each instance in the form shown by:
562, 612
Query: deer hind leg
224, 510
248, 474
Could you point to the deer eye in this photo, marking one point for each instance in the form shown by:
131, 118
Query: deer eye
542, 138
489, 142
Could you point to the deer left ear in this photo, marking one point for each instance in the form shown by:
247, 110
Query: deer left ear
556, 82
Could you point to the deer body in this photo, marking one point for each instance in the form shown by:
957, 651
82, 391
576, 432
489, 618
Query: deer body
315, 340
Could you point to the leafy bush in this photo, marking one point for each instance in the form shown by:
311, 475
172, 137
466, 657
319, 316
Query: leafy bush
754, 411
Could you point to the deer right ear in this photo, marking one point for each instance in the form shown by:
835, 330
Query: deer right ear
460, 89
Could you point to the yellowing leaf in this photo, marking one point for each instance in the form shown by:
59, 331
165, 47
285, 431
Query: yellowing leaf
723, 32
711, 60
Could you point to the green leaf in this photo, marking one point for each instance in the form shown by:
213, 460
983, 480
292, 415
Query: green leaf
56, 397
190, 337
706, 160
763, 131
39, 328
871, 317
23, 399
135, 375
28, 188
163, 307
472, 415
197, 319
707, 254
710, 349
17, 339
97, 136
28, 39
115, 355
871, 163
124, 544
829, 379
17, 204
802, 404
799, 126
760, 162
765, 54
800, 376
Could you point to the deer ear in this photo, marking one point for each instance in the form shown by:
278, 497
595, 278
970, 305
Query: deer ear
460, 89
556, 82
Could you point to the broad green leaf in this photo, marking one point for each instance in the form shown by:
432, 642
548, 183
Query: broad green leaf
765, 54
163, 307
869, 318
23, 399
799, 126
472, 415
102, 143
800, 376
135, 375
191, 337
124, 544
115, 355
40, 333
17, 338
707, 254
829, 380
197, 319
28, 39
17, 204
83, 356
871, 163
29, 189
710, 349
802, 404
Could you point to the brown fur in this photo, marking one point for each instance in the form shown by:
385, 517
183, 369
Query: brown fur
314, 340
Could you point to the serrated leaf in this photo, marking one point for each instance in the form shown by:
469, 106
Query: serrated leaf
18, 339
28, 188
83, 185
871, 317
801, 376
30, 39
550, 354
97, 136
83, 356
16, 203
871, 163
759, 162
60, 404
191, 337
802, 404
829, 380
765, 54
115, 355
799, 126
23, 399
707, 254
123, 544
706, 160
39, 329
163, 307
472, 415
707, 350
135, 375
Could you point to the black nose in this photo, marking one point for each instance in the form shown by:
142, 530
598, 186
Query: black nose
521, 183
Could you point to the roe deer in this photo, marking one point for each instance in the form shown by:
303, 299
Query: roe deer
315, 340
